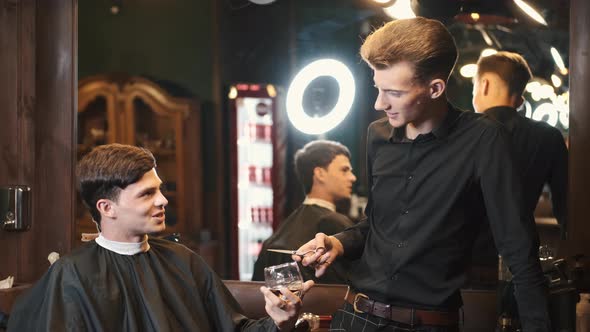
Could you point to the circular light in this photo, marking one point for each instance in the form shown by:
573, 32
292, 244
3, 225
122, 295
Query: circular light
557, 58
319, 125
468, 70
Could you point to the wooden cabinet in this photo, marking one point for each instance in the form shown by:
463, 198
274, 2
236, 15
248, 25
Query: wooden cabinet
137, 111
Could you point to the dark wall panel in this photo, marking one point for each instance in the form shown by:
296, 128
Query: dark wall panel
37, 97
579, 194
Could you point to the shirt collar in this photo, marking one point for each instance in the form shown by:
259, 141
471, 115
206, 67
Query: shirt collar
319, 202
124, 248
442, 131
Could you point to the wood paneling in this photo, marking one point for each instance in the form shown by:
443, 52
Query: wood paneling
579, 64
17, 100
37, 97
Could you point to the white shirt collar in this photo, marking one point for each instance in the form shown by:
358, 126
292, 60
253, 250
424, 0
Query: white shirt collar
123, 248
319, 202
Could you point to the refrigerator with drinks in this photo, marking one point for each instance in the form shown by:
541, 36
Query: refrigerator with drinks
257, 137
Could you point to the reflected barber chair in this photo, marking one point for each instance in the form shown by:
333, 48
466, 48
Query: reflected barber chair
564, 289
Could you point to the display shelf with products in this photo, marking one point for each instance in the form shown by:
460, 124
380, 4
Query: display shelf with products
141, 112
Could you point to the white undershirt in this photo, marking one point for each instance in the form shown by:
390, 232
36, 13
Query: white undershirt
123, 248
319, 202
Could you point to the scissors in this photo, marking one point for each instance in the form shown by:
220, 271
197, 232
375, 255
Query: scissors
294, 252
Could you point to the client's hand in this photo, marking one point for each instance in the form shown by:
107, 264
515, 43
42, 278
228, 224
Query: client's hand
284, 312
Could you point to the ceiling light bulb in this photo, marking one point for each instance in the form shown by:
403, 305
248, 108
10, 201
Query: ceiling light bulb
558, 60
270, 89
488, 52
484, 34
556, 81
233, 93
400, 9
468, 70
530, 11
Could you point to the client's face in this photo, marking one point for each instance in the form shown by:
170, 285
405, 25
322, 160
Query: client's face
140, 208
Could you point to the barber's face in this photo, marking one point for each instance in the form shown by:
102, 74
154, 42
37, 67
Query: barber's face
403, 99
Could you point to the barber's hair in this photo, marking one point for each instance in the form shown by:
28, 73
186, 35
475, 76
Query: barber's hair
108, 169
422, 42
511, 67
314, 154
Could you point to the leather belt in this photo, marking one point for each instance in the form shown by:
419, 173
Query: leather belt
413, 317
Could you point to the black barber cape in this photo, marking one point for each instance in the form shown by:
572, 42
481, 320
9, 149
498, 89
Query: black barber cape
301, 226
167, 288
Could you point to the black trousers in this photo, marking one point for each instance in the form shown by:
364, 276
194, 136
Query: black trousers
346, 319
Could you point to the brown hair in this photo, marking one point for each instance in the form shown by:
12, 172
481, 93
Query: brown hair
511, 67
107, 170
314, 154
423, 42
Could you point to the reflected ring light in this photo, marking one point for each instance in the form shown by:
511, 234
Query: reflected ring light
319, 125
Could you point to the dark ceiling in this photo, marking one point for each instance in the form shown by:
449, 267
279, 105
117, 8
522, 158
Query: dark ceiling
290, 33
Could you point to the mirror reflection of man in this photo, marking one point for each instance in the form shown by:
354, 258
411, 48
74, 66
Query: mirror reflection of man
126, 280
323, 167
539, 149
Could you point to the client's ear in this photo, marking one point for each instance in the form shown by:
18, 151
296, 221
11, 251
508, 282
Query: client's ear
105, 207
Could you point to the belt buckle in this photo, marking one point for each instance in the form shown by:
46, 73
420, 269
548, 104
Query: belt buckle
356, 298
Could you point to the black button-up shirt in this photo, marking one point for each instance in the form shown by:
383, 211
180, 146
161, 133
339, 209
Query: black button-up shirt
541, 157
427, 198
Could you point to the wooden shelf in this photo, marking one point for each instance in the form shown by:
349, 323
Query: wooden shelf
163, 153
137, 111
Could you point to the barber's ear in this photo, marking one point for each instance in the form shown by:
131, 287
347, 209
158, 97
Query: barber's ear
437, 88
485, 86
106, 207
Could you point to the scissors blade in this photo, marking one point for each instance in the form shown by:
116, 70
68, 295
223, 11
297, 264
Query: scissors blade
283, 251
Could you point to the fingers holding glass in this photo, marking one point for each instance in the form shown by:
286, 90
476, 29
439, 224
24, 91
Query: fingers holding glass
284, 276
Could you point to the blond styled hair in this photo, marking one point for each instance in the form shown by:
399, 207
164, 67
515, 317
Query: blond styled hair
424, 43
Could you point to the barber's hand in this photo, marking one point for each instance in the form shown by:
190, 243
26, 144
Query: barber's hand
284, 312
329, 249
